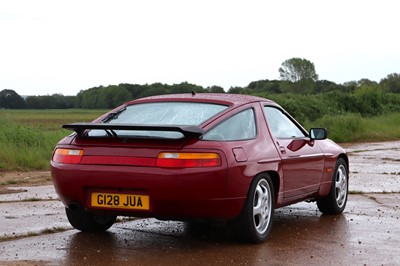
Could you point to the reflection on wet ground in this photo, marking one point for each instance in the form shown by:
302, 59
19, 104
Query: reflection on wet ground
368, 232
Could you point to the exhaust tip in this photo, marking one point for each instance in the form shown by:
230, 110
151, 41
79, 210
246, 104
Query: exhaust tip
75, 206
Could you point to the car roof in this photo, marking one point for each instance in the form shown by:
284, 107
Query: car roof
219, 98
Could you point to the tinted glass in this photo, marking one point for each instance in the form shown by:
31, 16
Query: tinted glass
281, 126
241, 126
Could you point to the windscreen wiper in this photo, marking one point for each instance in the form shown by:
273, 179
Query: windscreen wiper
112, 116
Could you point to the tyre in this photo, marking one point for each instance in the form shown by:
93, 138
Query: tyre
255, 221
335, 201
88, 222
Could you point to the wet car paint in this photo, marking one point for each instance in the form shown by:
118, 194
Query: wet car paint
192, 193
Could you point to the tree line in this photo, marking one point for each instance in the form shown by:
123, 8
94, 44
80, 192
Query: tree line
298, 78
111, 96
100, 97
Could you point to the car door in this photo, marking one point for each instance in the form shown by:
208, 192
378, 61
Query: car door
302, 159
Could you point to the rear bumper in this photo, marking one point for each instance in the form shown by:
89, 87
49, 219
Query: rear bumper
177, 194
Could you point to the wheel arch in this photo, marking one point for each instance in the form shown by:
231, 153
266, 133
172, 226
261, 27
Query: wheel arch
246, 226
335, 201
275, 178
346, 159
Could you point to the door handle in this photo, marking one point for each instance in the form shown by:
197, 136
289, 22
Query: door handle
282, 149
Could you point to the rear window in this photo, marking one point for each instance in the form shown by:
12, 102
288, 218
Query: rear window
168, 113
159, 113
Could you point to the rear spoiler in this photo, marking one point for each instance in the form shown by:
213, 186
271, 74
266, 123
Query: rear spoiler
187, 131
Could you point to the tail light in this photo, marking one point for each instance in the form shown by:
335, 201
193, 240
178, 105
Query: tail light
188, 160
68, 156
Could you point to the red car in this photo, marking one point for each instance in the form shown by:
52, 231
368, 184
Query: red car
197, 157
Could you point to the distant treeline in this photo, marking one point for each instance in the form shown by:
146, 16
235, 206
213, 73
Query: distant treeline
306, 98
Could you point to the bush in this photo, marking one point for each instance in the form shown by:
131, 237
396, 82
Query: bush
341, 128
302, 107
355, 128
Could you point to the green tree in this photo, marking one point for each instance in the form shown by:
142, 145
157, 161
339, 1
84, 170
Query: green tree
369, 99
185, 87
298, 69
9, 99
235, 90
215, 89
322, 86
366, 82
391, 83
55, 101
113, 96
270, 86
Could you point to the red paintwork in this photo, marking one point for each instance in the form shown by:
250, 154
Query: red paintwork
300, 169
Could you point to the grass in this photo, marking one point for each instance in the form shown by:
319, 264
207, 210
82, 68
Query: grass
28, 137
10, 182
355, 128
50, 119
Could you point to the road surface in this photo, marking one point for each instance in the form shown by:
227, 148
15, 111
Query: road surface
34, 229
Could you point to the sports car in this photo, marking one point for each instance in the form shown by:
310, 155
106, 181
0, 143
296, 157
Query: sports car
197, 157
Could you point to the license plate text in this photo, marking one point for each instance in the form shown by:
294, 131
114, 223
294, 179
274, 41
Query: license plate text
120, 201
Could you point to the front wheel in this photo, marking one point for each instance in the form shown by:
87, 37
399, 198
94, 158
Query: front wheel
255, 222
89, 222
335, 201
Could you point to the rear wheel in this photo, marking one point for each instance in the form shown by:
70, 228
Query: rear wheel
335, 201
255, 222
89, 222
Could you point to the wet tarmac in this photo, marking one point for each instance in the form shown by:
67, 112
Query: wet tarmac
34, 229
375, 167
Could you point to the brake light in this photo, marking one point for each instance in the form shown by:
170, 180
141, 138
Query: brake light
68, 156
188, 160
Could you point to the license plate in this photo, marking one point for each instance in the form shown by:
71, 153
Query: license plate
120, 201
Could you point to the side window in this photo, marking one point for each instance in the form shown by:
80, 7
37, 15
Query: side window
280, 125
241, 126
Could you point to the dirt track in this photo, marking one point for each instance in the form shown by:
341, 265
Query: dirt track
9, 180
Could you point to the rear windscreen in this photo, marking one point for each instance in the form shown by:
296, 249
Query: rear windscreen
168, 113
159, 113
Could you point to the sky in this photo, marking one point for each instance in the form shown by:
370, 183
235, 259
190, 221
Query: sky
64, 47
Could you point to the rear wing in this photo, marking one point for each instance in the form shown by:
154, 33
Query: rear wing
187, 131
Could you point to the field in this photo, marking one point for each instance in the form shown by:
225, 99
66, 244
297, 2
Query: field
28, 137
350, 127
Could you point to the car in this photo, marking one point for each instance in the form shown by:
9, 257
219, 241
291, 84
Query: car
197, 157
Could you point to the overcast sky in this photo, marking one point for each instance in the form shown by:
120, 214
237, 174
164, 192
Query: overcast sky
63, 47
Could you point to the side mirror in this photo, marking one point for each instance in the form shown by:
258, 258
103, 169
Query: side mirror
318, 133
